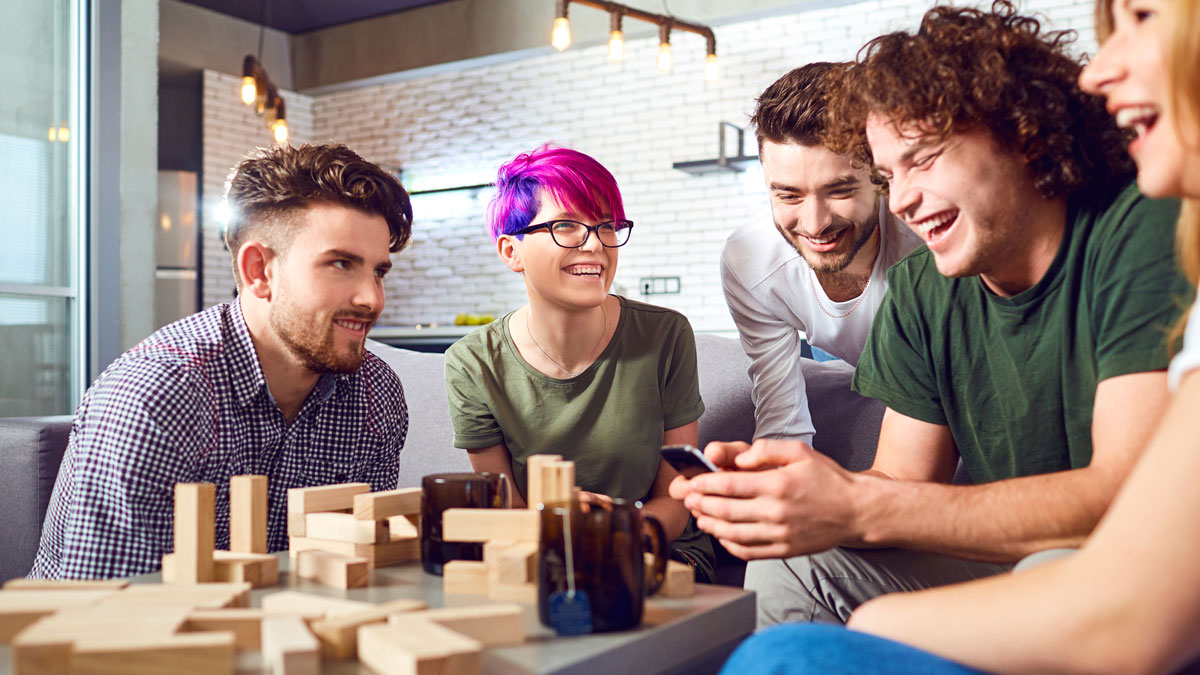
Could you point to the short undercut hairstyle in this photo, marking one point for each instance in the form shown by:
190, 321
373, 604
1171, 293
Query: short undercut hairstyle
794, 108
577, 182
271, 186
994, 70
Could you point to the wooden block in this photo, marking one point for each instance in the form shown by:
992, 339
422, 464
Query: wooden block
465, 577
200, 596
23, 584
558, 481
332, 569
302, 501
526, 593
388, 503
244, 623
289, 647
418, 646
533, 476
181, 654
345, 527
491, 625
511, 562
680, 581
377, 555
260, 570
404, 527
308, 604
46, 646
339, 634
19, 609
194, 532
248, 514
485, 524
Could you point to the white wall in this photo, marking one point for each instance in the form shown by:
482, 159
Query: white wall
456, 127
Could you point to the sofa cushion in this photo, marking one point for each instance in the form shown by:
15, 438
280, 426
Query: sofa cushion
31, 449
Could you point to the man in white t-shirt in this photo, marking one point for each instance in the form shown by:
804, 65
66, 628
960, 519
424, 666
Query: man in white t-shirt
825, 275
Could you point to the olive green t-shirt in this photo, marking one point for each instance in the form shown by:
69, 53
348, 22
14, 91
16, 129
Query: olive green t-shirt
609, 419
1015, 378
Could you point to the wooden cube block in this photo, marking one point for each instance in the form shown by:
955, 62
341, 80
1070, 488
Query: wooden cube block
303, 501
345, 527
308, 605
533, 475
404, 527
511, 562
194, 532
183, 654
491, 625
486, 524
339, 634
465, 577
332, 569
260, 570
680, 581
248, 514
387, 503
418, 646
289, 647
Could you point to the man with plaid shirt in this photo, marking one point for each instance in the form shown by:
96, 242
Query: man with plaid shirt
276, 382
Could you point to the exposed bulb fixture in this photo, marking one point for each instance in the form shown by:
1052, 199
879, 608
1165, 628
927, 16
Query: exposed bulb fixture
616, 47
664, 47
712, 71
561, 36
281, 131
64, 134
249, 90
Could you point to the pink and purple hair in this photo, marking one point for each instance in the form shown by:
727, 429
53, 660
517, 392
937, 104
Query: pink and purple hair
576, 181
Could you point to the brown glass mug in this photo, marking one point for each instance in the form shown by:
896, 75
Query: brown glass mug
443, 491
592, 574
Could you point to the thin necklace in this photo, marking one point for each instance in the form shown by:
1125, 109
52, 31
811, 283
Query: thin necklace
813, 279
588, 362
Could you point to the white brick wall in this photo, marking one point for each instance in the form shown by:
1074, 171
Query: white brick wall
456, 128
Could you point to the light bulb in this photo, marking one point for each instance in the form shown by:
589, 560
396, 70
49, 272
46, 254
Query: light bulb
616, 46
281, 131
64, 134
561, 37
249, 90
664, 57
53, 135
712, 72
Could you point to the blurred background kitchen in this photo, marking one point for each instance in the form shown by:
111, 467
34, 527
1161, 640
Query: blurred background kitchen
119, 122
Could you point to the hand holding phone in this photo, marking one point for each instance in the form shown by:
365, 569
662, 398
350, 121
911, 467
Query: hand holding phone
688, 460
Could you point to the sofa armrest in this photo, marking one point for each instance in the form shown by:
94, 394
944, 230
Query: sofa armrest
31, 448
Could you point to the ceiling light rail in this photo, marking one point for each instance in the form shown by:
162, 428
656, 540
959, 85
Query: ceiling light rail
560, 36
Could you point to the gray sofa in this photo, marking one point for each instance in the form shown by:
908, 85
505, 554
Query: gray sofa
847, 429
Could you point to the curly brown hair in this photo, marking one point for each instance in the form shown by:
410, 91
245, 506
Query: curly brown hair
793, 108
996, 70
268, 187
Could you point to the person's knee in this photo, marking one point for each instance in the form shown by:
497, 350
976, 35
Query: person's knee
793, 589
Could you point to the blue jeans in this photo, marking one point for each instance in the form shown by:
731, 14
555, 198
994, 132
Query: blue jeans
796, 648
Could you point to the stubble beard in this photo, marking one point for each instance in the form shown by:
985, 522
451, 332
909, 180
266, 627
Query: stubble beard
822, 264
311, 345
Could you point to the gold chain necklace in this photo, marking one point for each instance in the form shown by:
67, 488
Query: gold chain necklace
603, 330
813, 279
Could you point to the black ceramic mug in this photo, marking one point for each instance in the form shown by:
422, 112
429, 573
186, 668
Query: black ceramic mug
443, 491
592, 574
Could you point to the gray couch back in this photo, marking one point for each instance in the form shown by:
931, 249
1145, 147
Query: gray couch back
847, 429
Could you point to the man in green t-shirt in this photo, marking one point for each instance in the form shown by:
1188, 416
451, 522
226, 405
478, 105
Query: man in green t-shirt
1028, 339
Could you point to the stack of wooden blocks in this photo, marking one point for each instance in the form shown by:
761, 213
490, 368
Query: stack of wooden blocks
194, 559
337, 533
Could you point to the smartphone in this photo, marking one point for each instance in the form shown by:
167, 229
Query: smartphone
687, 460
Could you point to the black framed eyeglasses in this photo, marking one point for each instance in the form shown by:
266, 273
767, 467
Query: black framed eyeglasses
572, 234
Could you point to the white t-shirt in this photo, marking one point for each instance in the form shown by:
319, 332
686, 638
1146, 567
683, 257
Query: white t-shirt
1188, 358
770, 293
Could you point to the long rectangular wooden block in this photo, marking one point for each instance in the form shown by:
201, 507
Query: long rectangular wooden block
332, 569
194, 532
181, 654
245, 623
485, 524
491, 625
289, 647
404, 527
418, 647
23, 584
469, 577
19, 609
206, 596
388, 503
339, 634
248, 514
308, 604
46, 646
345, 527
377, 555
260, 570
558, 481
533, 478
302, 501
511, 562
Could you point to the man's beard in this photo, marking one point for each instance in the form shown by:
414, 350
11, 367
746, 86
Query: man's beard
824, 264
302, 336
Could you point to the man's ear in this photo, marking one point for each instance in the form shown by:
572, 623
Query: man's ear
510, 252
254, 266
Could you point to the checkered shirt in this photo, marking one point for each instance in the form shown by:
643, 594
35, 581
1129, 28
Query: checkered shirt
190, 404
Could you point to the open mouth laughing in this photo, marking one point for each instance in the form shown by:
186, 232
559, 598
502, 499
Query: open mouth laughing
585, 270
935, 228
1140, 118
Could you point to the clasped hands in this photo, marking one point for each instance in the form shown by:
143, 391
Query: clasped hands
773, 499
